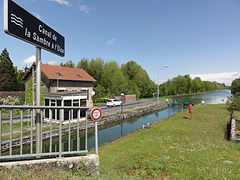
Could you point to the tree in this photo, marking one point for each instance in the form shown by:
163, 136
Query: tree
84, 64
69, 63
138, 76
185, 85
235, 87
113, 79
96, 68
8, 77
234, 105
21, 84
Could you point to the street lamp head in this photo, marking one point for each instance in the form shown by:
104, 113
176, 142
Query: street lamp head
165, 66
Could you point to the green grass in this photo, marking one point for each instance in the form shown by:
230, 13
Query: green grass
16, 126
174, 148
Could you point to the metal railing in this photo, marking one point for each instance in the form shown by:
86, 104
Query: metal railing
58, 133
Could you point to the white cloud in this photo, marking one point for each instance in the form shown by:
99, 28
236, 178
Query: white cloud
86, 9
53, 62
226, 78
111, 42
62, 2
29, 60
37, 15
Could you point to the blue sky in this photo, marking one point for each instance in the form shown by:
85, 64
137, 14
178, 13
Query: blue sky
191, 36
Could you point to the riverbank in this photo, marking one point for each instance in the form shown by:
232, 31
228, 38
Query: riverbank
174, 148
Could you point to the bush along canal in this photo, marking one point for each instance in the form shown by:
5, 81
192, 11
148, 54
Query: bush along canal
112, 128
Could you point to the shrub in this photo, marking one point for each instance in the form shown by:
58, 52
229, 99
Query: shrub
234, 105
10, 101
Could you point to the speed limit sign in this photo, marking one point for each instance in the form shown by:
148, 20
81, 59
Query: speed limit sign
96, 114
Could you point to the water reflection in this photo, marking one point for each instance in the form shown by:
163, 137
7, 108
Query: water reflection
219, 97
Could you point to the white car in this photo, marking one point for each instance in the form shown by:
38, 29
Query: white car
113, 102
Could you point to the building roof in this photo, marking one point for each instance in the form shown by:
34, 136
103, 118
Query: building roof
63, 73
65, 93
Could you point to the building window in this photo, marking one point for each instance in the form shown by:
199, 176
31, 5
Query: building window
79, 76
59, 74
83, 102
67, 111
61, 89
82, 114
46, 110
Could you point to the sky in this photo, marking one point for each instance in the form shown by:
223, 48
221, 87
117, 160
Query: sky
195, 37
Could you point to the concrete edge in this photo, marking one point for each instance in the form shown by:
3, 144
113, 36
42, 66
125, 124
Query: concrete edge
88, 163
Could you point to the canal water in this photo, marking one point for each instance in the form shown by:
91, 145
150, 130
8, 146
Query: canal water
116, 130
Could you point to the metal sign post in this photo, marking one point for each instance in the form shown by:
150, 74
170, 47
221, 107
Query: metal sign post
38, 100
96, 137
96, 114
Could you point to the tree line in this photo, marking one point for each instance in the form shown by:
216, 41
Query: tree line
186, 85
114, 79
131, 78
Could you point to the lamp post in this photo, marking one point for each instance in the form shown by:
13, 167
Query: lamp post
165, 66
122, 94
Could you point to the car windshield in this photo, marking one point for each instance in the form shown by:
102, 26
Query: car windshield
109, 100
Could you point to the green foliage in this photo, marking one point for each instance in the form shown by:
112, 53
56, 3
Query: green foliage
21, 84
139, 79
44, 90
28, 93
235, 87
131, 78
234, 105
234, 102
185, 85
103, 99
112, 80
68, 64
8, 77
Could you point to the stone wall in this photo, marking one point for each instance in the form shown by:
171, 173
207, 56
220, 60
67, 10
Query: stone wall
234, 132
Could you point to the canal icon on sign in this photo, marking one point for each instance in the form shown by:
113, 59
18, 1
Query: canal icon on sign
16, 20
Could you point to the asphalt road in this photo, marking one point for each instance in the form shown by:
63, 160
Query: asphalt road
126, 107
106, 110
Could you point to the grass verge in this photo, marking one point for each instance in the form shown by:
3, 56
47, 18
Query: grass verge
174, 148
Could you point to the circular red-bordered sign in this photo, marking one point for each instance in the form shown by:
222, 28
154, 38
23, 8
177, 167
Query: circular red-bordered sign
96, 114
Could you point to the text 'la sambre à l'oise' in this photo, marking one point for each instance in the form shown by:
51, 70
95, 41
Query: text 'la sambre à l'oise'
38, 37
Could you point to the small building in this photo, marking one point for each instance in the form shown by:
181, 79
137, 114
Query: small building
62, 86
61, 79
127, 99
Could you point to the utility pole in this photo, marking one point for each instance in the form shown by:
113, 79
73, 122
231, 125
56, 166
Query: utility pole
165, 66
